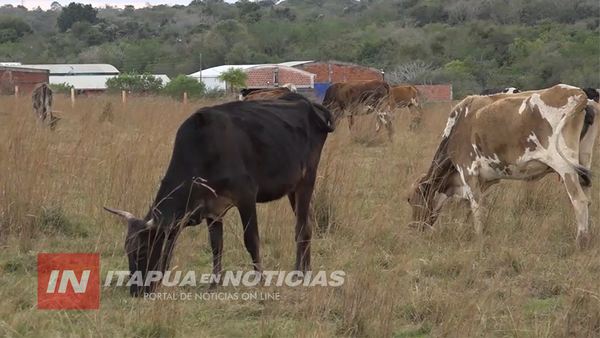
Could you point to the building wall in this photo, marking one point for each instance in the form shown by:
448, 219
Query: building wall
25, 79
340, 72
265, 76
435, 92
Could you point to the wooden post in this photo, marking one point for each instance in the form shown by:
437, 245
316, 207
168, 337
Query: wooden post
185, 98
16, 92
72, 97
124, 98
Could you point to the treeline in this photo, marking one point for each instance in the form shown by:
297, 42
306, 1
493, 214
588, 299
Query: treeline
473, 44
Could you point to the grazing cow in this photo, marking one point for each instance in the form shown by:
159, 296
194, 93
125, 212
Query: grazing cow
507, 90
234, 154
406, 96
41, 98
343, 99
592, 94
517, 137
266, 94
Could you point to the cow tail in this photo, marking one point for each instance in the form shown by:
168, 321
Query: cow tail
324, 117
328, 98
582, 171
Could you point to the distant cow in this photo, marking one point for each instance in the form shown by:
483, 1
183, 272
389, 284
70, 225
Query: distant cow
234, 154
41, 98
592, 94
406, 96
507, 90
345, 99
267, 93
518, 137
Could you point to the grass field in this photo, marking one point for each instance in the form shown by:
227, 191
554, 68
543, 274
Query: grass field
525, 277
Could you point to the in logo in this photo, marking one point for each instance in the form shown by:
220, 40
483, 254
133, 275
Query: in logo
69, 281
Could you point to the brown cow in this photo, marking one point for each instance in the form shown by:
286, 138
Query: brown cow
520, 136
406, 96
266, 94
342, 98
41, 98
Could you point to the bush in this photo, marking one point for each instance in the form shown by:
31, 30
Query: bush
61, 88
182, 83
136, 83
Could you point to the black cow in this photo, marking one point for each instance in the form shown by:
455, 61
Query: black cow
41, 97
508, 90
235, 154
592, 94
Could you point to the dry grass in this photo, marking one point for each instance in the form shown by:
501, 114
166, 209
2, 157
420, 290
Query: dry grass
524, 278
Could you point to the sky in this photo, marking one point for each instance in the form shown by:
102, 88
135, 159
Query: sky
32, 4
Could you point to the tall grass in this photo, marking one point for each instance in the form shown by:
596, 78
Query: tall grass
524, 278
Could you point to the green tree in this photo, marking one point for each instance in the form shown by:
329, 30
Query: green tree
182, 83
134, 82
84, 31
12, 29
234, 78
76, 12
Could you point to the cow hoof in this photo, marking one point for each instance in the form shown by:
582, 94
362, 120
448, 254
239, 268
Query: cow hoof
583, 240
421, 226
212, 288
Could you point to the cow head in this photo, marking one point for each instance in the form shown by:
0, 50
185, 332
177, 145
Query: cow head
140, 247
511, 90
422, 199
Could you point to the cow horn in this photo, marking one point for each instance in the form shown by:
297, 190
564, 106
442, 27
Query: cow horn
129, 216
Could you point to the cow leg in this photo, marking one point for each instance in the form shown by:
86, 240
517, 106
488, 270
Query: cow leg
350, 121
247, 209
385, 118
389, 126
303, 228
292, 198
586, 145
415, 117
215, 231
580, 205
473, 193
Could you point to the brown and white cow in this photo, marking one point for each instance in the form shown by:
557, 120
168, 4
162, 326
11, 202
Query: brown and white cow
406, 96
347, 99
521, 136
41, 98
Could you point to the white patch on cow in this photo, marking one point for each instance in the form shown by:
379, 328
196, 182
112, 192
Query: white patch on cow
466, 111
483, 166
467, 193
523, 106
566, 86
449, 125
549, 156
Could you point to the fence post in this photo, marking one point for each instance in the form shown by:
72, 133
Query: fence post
185, 98
72, 97
124, 98
16, 92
